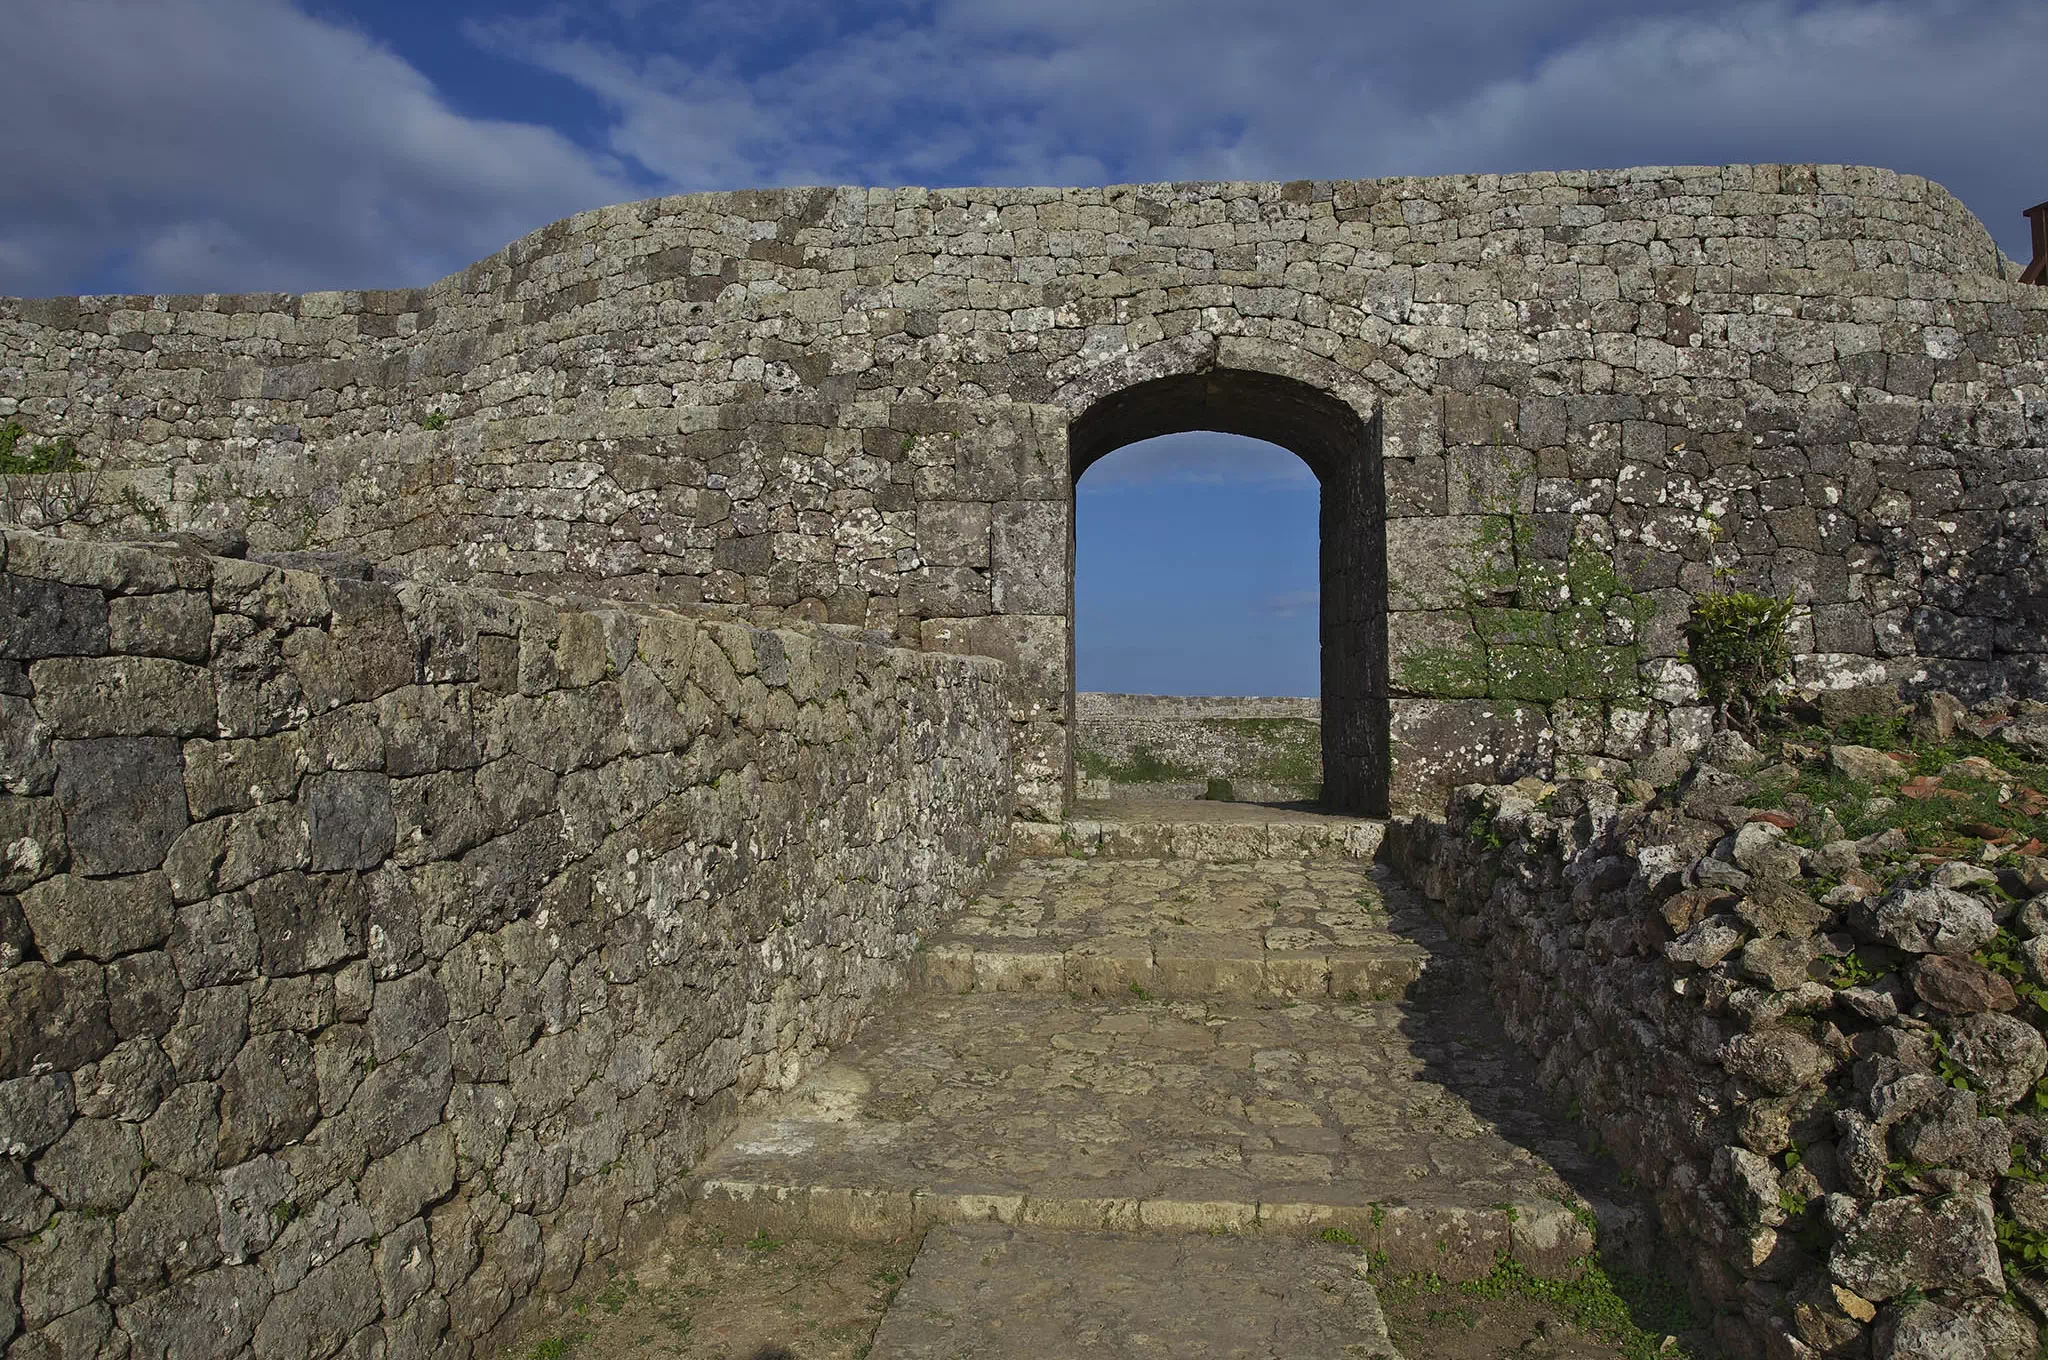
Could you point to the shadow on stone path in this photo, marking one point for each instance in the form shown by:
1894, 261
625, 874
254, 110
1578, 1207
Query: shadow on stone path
1104, 1056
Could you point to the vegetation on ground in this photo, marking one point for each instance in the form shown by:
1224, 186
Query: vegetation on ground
1631, 1314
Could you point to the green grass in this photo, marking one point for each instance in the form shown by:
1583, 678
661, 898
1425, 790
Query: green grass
1144, 767
1632, 1312
1928, 823
555, 1347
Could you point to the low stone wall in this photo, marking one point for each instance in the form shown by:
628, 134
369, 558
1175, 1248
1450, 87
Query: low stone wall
1831, 1100
1171, 745
376, 955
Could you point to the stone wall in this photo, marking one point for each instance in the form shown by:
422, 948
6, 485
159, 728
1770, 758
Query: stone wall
1171, 746
1547, 408
373, 955
1831, 1101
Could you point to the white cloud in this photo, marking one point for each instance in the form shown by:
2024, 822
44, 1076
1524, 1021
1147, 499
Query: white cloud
1066, 91
242, 144
1292, 604
232, 145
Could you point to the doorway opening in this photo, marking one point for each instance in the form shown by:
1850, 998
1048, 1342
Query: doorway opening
1348, 660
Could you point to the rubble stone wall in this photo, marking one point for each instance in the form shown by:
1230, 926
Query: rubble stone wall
1837, 1157
374, 955
1590, 394
1171, 745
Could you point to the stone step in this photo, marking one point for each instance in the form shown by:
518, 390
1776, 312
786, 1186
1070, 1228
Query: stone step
1001, 1293
1288, 929
1404, 1130
1173, 967
1196, 831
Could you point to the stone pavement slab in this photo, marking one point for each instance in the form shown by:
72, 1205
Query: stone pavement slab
1407, 1125
1002, 1293
1180, 928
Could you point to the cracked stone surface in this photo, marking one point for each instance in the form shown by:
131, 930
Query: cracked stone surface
992, 1293
1403, 1123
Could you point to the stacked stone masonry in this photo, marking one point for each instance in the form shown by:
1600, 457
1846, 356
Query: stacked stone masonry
373, 955
1163, 746
855, 405
1836, 1163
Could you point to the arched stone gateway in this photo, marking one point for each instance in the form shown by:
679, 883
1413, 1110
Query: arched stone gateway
1341, 445
1548, 411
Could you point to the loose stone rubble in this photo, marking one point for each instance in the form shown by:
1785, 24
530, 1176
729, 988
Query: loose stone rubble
1823, 1057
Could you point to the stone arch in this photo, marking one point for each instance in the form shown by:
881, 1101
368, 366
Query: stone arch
1332, 422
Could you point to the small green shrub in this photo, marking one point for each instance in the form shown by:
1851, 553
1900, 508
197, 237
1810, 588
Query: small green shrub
1737, 643
59, 455
434, 420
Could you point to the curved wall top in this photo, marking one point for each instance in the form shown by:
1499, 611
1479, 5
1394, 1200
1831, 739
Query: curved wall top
854, 404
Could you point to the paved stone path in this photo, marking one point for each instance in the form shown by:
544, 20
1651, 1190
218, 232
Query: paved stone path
1105, 1057
990, 1293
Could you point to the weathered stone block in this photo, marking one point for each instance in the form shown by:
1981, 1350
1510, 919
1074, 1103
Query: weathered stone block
269, 1096
123, 696
954, 533
305, 923
176, 624
97, 1164
348, 819
32, 844
123, 801
170, 1232
233, 776
52, 1018
1029, 554
28, 766
397, 1187
40, 619
75, 917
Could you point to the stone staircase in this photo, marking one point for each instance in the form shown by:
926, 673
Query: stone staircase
1266, 1065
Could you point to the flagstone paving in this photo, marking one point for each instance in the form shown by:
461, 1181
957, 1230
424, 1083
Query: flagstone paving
1296, 928
1395, 1117
997, 1293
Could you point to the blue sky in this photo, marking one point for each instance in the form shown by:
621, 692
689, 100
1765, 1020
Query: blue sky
236, 145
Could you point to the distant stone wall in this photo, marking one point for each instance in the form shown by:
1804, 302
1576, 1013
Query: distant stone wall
373, 956
856, 405
1171, 746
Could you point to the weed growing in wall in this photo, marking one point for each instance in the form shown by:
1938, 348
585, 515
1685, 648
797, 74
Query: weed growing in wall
59, 455
1534, 628
42, 485
1736, 641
